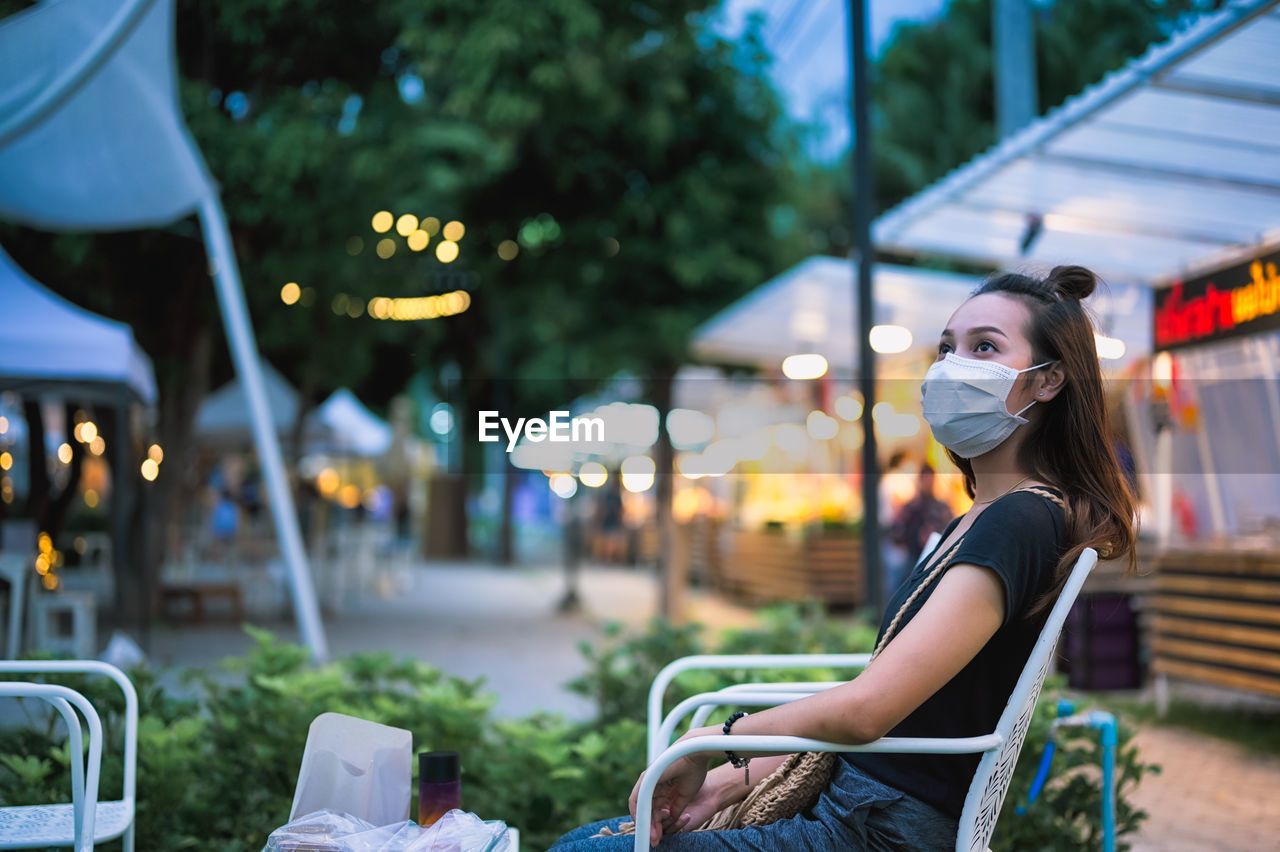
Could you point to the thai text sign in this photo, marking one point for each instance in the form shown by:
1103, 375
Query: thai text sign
1233, 301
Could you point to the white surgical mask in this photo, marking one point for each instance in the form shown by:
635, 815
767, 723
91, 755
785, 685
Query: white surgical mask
966, 403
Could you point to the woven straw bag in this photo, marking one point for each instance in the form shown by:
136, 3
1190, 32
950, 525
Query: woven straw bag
791, 789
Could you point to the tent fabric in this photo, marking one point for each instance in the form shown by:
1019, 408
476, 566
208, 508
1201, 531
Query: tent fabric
1166, 164
116, 153
45, 338
224, 415
809, 308
352, 427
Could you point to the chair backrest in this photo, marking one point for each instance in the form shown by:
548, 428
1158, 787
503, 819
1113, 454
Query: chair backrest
995, 770
122, 681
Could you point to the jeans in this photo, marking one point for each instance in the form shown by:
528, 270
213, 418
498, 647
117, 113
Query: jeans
855, 812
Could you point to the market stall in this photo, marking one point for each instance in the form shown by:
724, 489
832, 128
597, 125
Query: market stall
1211, 427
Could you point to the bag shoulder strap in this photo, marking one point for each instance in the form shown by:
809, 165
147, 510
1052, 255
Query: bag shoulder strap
935, 570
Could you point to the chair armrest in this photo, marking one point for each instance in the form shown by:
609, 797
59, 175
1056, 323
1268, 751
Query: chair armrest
84, 790
807, 687
708, 701
786, 744
734, 661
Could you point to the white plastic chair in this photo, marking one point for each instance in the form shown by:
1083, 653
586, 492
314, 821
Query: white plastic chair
61, 824
999, 748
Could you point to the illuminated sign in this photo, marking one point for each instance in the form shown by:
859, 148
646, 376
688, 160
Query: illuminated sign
1231, 302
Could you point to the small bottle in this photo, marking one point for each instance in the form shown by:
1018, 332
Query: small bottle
439, 785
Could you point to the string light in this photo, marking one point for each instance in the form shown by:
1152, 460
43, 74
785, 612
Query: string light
420, 307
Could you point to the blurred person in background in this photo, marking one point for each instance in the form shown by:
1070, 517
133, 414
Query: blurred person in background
920, 517
896, 487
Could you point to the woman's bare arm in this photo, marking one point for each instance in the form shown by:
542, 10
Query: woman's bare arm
957, 620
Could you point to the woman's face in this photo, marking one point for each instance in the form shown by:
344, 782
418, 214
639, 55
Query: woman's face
992, 327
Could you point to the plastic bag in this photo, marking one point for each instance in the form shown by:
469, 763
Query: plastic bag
328, 831
355, 767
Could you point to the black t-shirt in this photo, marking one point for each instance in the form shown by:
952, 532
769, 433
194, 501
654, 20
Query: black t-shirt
1020, 537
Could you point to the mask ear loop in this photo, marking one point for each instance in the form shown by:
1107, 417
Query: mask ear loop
1027, 370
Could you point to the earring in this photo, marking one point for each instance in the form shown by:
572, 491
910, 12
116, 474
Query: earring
1040, 394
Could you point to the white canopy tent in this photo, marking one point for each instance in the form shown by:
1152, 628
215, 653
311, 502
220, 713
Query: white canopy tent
49, 341
350, 428
92, 138
809, 308
224, 415
340, 425
1162, 165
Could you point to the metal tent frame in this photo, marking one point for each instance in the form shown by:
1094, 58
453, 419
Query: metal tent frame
1168, 164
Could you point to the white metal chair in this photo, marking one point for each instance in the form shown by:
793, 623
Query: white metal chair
61, 824
25, 826
999, 748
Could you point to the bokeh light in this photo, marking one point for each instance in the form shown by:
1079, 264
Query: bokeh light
382, 221
508, 249
418, 240
564, 485
454, 231
593, 474
447, 251
406, 224
64, 453
386, 247
807, 366
290, 293
150, 470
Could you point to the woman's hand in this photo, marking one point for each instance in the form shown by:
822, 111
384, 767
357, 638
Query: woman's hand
679, 798
674, 797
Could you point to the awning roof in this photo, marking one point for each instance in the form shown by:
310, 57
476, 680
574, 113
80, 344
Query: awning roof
50, 344
1165, 165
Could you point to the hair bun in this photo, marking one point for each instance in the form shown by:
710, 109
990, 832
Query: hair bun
1072, 282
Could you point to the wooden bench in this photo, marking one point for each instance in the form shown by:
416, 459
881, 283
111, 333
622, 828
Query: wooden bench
1216, 619
770, 566
191, 599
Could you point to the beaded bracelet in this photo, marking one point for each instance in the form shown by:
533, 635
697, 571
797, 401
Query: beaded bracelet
743, 763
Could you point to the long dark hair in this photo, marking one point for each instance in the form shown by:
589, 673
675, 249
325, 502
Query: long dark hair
1069, 444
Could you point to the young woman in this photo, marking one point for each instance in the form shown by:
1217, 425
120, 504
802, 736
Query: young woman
1015, 396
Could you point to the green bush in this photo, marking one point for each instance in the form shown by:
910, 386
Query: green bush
218, 772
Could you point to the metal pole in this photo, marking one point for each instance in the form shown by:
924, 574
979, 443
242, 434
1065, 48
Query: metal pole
862, 205
1014, 52
244, 353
